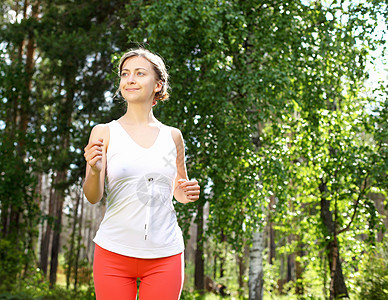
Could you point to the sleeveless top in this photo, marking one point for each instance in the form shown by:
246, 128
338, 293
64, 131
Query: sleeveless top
140, 220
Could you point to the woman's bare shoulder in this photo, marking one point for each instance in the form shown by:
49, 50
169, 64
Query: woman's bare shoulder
101, 128
100, 131
176, 134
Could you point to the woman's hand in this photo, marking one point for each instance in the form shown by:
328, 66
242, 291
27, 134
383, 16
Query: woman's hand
93, 155
190, 188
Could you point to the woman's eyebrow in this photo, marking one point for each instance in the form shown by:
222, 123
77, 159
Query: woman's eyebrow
135, 69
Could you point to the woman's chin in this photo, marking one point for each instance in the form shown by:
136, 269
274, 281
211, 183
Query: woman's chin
136, 101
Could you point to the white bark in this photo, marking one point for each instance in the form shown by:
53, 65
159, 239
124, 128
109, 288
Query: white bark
256, 272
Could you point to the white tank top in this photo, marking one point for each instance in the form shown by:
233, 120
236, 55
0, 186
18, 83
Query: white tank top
140, 220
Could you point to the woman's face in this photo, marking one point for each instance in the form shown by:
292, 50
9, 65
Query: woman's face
138, 80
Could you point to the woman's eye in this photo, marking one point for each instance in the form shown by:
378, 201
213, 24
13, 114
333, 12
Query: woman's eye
140, 73
124, 74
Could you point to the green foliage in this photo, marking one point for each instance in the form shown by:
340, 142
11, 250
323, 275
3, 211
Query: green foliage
36, 287
54, 294
189, 295
11, 263
372, 279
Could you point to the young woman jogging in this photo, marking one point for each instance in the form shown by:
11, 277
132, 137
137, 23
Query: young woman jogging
142, 162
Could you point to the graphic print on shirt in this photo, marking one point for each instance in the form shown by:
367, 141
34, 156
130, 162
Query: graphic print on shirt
154, 189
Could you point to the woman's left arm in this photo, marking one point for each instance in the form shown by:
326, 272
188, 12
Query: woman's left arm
185, 190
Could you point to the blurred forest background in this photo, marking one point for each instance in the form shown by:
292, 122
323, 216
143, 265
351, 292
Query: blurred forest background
284, 128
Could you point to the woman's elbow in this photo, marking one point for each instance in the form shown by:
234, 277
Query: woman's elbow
91, 197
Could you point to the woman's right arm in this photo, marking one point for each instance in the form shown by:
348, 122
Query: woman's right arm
95, 155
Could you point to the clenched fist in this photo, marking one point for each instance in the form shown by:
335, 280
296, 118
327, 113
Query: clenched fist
93, 154
190, 188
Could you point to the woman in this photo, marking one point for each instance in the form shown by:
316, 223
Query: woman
143, 163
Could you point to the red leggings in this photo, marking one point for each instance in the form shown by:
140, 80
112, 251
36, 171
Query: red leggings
115, 276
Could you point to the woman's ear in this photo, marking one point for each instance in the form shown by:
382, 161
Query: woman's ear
159, 86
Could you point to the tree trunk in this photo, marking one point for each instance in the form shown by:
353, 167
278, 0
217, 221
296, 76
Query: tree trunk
199, 261
64, 125
25, 107
271, 232
223, 257
241, 271
46, 238
299, 269
241, 260
256, 272
337, 286
4, 211
290, 261
324, 269
215, 264
59, 196
70, 259
282, 273
79, 238
222, 269
32, 223
290, 267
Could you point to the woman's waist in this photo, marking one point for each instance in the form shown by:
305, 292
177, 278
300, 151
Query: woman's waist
147, 226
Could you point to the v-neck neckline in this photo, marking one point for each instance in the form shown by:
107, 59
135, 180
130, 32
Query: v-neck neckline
141, 147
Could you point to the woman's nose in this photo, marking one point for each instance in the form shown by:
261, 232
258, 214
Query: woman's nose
130, 78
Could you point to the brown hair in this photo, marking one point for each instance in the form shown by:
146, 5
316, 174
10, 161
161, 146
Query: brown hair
158, 65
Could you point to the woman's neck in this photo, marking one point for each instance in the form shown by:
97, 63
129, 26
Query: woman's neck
138, 115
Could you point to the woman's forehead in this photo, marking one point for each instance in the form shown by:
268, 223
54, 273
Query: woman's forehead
135, 62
